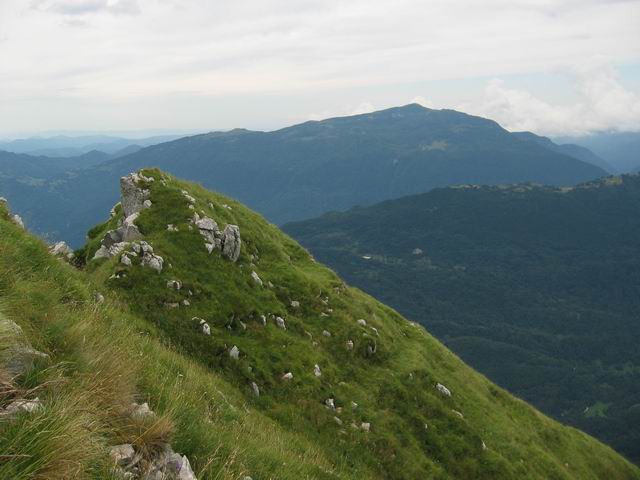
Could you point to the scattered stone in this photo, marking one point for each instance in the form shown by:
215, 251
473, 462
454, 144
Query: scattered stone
147, 204
362, 322
255, 389
295, 304
234, 353
186, 303
326, 333
365, 426
459, 414
172, 228
484, 446
99, 298
174, 284
337, 420
443, 390
372, 348
125, 260
349, 344
287, 376
330, 403
375, 330
281, 323
263, 319
354, 405
256, 278
316, 370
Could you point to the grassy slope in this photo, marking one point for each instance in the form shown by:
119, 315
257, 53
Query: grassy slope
394, 388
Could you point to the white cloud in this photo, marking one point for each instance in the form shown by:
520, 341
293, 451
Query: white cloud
84, 7
321, 53
602, 104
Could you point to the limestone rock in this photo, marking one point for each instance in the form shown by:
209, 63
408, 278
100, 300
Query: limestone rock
362, 322
234, 353
17, 220
61, 249
316, 370
174, 284
365, 426
287, 376
281, 323
231, 242
326, 333
349, 344
255, 389
132, 197
256, 278
295, 304
141, 411
330, 403
443, 390
204, 326
19, 406
123, 455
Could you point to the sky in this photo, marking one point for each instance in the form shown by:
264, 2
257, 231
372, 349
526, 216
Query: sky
555, 67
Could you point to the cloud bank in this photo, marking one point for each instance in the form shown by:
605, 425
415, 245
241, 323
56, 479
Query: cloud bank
118, 64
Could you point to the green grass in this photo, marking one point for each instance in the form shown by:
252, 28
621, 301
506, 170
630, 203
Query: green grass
134, 347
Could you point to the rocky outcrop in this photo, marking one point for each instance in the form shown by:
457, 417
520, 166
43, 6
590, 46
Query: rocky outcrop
132, 196
133, 199
231, 242
17, 355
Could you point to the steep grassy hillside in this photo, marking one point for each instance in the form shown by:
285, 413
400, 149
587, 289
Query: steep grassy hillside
308, 169
537, 287
362, 400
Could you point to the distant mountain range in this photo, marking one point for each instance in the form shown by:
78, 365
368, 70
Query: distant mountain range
73, 146
620, 149
308, 169
537, 287
572, 150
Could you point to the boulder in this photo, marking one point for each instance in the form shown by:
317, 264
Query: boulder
443, 390
206, 329
362, 322
234, 353
330, 403
231, 242
255, 389
281, 323
256, 278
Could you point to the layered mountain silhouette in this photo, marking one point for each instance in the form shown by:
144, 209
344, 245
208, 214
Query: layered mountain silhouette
308, 169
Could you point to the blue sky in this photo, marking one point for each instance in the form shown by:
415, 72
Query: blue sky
552, 66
